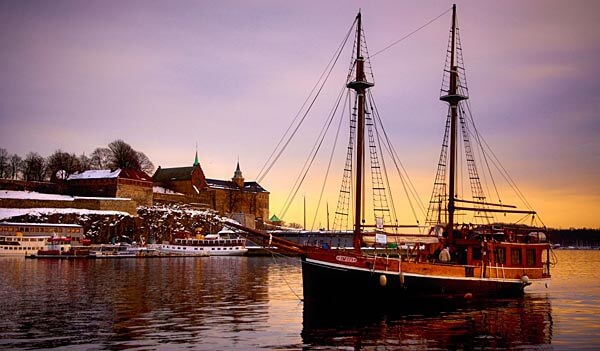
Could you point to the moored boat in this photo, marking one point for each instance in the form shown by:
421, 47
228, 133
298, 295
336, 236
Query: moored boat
224, 243
22, 239
61, 247
452, 259
122, 250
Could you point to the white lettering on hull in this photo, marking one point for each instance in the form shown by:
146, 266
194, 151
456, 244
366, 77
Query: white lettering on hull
346, 259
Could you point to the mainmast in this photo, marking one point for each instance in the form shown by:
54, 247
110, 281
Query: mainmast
452, 98
360, 85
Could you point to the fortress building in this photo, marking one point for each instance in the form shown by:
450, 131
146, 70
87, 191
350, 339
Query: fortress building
229, 197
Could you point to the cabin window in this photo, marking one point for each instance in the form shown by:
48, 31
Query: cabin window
530, 257
501, 255
515, 257
476, 254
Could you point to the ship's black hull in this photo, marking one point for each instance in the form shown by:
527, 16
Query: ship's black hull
327, 284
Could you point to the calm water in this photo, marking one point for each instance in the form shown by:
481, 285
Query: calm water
250, 303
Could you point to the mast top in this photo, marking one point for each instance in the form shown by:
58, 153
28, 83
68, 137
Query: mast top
453, 97
360, 83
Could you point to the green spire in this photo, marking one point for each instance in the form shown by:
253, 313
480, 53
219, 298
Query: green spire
196, 163
274, 218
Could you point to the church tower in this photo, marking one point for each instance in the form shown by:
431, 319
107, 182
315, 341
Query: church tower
238, 179
196, 163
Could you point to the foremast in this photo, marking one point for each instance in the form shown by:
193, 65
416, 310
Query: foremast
360, 86
453, 98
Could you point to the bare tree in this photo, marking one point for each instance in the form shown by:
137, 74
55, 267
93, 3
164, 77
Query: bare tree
123, 156
34, 167
4, 163
15, 166
62, 164
85, 163
119, 154
100, 158
145, 163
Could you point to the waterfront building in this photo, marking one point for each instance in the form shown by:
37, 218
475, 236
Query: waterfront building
119, 183
228, 197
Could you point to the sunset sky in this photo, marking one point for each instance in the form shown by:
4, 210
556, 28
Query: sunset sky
231, 75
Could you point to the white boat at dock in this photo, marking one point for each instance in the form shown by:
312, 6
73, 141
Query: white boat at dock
122, 250
224, 243
22, 239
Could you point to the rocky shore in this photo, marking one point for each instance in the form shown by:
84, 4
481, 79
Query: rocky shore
152, 224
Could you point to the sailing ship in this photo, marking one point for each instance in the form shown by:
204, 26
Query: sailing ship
455, 260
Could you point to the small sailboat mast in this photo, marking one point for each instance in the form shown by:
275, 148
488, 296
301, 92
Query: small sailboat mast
360, 85
452, 98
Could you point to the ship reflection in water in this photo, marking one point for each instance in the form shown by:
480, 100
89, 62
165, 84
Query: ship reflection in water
498, 324
249, 303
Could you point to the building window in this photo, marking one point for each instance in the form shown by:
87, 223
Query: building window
476, 254
530, 257
515, 257
501, 255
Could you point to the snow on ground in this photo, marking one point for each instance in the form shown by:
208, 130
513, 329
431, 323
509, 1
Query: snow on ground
167, 210
161, 190
15, 212
32, 195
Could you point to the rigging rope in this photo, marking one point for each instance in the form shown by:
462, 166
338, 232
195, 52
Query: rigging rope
329, 163
273, 255
399, 166
265, 169
501, 169
312, 155
411, 33
377, 124
483, 151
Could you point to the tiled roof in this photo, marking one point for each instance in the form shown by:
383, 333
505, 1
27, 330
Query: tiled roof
135, 174
229, 185
169, 174
254, 186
